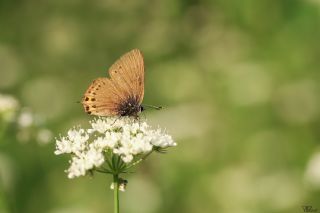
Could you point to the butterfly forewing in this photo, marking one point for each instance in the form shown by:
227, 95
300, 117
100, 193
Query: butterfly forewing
128, 74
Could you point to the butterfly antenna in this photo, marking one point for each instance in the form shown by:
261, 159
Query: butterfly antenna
153, 107
144, 115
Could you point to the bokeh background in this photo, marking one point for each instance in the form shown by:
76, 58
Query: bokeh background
239, 81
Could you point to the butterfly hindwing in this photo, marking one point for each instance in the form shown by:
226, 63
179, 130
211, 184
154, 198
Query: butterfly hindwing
101, 98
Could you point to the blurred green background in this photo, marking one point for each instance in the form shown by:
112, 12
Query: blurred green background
239, 81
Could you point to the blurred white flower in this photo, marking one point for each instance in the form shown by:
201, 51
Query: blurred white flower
25, 119
44, 136
8, 107
312, 174
124, 137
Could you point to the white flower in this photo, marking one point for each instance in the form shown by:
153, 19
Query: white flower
162, 140
312, 174
100, 125
124, 136
75, 143
85, 161
8, 107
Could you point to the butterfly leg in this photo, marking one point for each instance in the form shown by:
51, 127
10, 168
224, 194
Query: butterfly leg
139, 118
144, 115
116, 120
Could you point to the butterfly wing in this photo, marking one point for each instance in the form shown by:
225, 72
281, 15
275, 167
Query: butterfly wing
127, 74
102, 98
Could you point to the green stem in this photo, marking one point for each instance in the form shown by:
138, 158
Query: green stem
138, 161
116, 193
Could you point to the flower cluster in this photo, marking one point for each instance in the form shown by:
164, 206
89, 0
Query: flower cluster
121, 136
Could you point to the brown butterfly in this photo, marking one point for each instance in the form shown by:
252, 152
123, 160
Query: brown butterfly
122, 93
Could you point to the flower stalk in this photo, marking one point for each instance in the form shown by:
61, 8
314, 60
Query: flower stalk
116, 193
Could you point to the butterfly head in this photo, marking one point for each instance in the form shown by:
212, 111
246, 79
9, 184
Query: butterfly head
141, 108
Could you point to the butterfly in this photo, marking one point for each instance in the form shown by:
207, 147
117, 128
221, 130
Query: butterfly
122, 93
